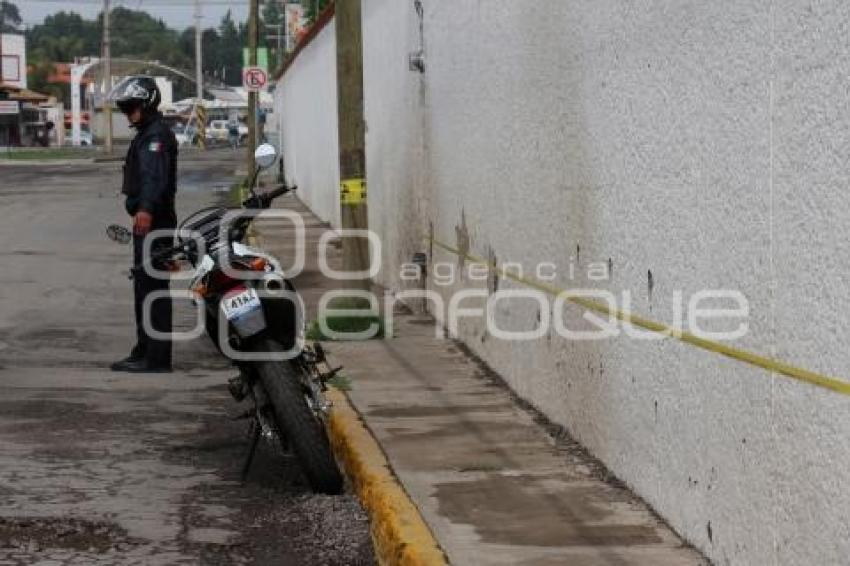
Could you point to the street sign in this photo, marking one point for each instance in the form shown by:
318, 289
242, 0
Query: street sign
9, 107
254, 78
262, 57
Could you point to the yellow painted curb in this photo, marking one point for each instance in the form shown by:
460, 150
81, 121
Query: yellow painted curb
400, 535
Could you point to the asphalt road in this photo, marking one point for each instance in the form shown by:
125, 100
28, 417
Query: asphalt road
105, 468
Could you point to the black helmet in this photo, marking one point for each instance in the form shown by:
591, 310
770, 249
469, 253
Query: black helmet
136, 92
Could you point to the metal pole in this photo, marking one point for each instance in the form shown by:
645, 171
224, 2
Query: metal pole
200, 115
285, 31
199, 76
284, 22
107, 77
253, 30
77, 72
279, 37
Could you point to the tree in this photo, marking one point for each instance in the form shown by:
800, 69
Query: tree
312, 9
10, 17
60, 38
38, 80
136, 35
230, 56
65, 35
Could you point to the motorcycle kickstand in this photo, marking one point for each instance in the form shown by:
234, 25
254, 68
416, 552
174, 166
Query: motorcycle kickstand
255, 440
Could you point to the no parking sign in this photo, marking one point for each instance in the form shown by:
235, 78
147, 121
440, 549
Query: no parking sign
254, 78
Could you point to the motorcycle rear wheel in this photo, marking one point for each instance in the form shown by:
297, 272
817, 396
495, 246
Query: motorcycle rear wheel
303, 429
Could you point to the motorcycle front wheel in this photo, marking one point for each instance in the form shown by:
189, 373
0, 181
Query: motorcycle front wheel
299, 423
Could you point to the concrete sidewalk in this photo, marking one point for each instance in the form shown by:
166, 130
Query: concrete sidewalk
489, 478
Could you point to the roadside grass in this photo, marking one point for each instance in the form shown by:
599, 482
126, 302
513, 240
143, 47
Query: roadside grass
31, 154
346, 323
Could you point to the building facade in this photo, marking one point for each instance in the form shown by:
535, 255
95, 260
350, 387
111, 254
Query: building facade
14, 57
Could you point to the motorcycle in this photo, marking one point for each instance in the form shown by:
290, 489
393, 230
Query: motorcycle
253, 317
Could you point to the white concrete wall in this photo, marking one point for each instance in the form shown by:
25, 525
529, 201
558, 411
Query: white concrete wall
703, 142
397, 167
307, 97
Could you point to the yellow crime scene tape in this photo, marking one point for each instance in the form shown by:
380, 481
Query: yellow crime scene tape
778, 366
352, 192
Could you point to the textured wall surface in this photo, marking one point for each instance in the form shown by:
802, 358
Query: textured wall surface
687, 145
307, 97
397, 165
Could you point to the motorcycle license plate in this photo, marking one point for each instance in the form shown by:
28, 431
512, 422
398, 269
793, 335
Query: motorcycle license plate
240, 302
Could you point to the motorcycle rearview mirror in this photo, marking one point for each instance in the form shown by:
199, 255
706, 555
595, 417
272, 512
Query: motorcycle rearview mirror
118, 233
265, 155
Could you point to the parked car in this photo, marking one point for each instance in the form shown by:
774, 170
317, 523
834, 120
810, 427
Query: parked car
219, 131
85, 138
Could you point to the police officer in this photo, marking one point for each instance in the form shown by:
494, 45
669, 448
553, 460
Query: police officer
150, 171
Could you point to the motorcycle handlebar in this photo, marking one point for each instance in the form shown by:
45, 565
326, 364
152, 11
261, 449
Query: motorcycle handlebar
264, 200
282, 190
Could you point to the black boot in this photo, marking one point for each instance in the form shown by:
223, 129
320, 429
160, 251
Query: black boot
136, 355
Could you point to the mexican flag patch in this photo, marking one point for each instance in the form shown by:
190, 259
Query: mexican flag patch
155, 146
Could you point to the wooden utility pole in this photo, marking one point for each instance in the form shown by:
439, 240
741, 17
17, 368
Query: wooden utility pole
253, 32
352, 136
2, 27
107, 77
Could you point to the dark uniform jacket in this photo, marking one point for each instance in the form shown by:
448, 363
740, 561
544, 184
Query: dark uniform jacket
150, 169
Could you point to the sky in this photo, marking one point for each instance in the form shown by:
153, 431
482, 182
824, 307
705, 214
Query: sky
177, 14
